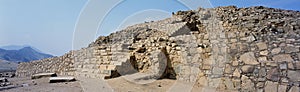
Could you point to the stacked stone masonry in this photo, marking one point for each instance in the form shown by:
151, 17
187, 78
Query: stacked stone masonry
226, 48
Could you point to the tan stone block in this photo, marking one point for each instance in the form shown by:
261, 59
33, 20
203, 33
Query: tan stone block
202, 81
297, 65
247, 84
227, 68
262, 46
262, 59
282, 88
276, 51
260, 84
290, 49
271, 63
294, 89
294, 75
282, 58
264, 53
206, 67
102, 67
229, 84
111, 67
247, 69
236, 73
249, 58
271, 86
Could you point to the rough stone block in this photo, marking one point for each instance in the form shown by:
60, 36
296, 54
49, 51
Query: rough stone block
276, 51
262, 46
249, 58
236, 73
264, 53
282, 58
111, 67
294, 89
294, 75
282, 88
273, 74
271, 86
247, 84
290, 49
247, 69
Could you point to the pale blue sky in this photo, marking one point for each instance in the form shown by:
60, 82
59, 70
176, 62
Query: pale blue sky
49, 24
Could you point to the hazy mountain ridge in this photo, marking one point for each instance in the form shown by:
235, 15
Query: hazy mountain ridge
25, 54
18, 47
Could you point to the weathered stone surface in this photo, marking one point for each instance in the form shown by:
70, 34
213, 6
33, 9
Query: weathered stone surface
247, 69
276, 51
273, 75
299, 56
293, 75
236, 73
296, 65
282, 58
262, 46
260, 84
235, 63
228, 69
291, 49
283, 66
264, 53
282, 88
249, 58
262, 72
229, 84
203, 81
247, 84
262, 59
294, 89
271, 86
291, 65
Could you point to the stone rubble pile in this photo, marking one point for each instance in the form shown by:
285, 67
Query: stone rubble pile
223, 48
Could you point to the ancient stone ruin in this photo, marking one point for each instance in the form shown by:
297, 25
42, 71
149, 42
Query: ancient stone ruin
226, 48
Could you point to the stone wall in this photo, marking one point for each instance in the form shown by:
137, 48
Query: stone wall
63, 65
225, 48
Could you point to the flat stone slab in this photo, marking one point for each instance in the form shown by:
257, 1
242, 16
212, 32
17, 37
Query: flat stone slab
61, 79
40, 75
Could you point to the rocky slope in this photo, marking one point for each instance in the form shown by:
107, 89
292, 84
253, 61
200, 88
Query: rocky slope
221, 49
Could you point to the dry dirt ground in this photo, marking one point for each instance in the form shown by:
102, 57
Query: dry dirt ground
41, 85
119, 84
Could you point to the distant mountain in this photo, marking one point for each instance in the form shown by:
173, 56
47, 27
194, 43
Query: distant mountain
18, 47
24, 54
